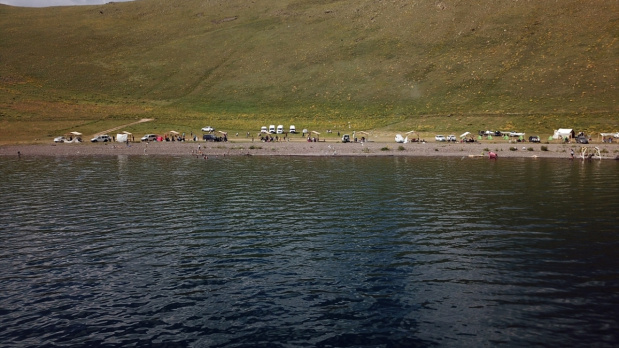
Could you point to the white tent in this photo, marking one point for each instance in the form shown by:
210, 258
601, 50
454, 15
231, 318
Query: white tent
73, 137
465, 134
122, 137
609, 135
563, 133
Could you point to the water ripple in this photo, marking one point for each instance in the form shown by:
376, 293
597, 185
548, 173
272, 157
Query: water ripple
317, 252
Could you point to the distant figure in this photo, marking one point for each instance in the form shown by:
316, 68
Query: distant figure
492, 155
571, 153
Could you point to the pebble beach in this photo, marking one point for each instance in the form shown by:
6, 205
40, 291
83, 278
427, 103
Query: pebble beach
302, 148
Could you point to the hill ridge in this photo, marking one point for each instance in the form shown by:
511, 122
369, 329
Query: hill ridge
378, 62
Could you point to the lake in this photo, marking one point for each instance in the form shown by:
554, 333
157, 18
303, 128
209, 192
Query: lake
308, 252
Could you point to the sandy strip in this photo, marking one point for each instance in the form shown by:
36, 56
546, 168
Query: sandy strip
300, 148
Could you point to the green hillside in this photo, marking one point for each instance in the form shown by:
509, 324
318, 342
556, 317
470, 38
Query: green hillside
400, 64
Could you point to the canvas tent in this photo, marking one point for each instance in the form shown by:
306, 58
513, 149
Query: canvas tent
123, 137
411, 134
73, 137
609, 135
562, 133
365, 135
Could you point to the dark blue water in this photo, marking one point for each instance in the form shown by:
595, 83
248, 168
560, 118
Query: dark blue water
308, 252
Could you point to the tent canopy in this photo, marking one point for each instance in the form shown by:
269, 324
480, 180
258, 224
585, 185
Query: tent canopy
75, 133
563, 132
315, 132
464, 134
122, 137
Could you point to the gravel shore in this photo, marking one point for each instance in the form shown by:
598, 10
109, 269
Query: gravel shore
301, 148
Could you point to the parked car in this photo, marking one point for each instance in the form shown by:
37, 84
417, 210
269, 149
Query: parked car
581, 139
451, 138
293, 129
263, 129
534, 139
272, 129
280, 129
59, 139
208, 129
346, 138
149, 137
440, 138
101, 138
209, 137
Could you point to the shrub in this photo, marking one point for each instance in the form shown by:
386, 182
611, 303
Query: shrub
401, 148
511, 148
544, 148
530, 149
385, 149
253, 147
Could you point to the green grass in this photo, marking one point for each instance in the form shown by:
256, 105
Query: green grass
238, 65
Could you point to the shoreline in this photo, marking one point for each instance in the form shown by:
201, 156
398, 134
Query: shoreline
301, 148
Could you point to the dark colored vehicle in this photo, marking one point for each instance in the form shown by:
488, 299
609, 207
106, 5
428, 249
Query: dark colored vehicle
346, 138
581, 139
211, 137
534, 139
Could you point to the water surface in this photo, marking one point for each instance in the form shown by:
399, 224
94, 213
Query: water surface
308, 252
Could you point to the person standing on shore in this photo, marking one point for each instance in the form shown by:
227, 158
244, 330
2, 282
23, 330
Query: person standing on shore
571, 153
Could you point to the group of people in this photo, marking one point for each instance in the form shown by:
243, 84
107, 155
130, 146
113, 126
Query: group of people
269, 138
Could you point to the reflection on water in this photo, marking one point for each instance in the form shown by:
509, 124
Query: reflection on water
327, 252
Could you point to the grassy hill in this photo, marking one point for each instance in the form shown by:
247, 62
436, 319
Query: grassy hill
237, 64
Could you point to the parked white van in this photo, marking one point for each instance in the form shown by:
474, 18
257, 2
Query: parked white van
280, 129
293, 129
272, 129
263, 129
